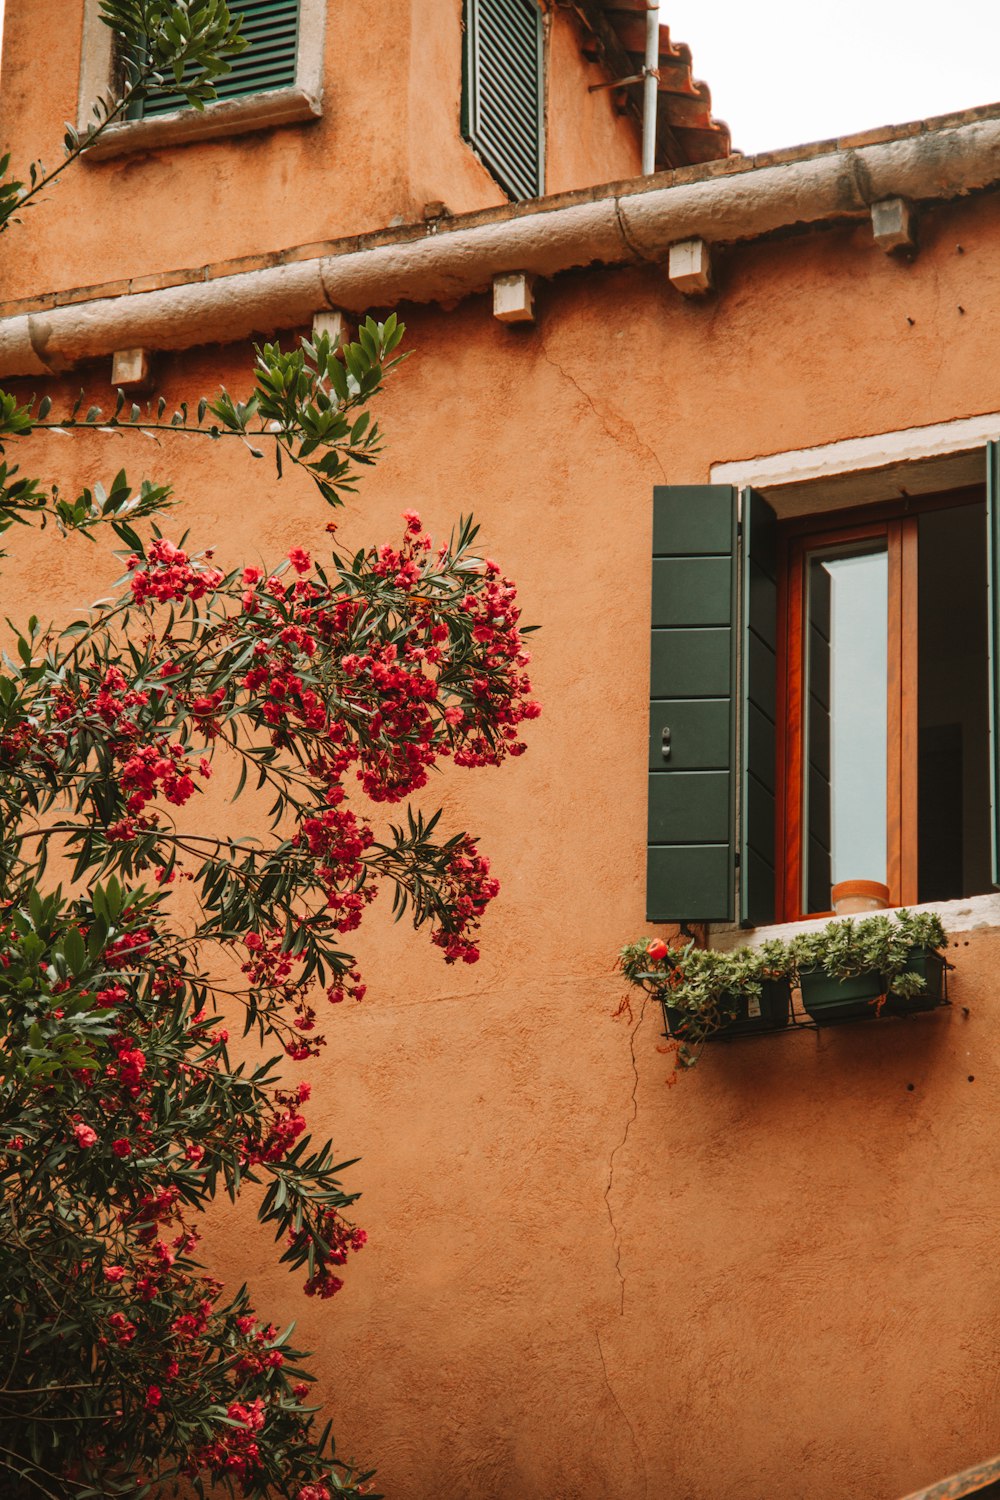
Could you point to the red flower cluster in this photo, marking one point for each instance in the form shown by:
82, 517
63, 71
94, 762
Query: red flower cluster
470, 888
169, 576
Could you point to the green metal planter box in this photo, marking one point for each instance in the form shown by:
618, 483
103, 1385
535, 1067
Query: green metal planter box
827, 999
929, 964
770, 1013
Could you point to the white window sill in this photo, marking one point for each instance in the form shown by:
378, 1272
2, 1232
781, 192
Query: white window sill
966, 915
224, 118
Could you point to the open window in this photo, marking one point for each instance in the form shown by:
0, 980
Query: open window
823, 703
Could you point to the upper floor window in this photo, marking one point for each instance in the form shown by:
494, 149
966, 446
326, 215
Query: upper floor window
276, 80
825, 702
883, 706
503, 97
271, 31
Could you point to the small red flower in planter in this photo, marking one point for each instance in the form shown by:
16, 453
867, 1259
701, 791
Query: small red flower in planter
657, 950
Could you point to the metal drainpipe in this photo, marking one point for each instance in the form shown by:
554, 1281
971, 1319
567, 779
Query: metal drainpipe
651, 79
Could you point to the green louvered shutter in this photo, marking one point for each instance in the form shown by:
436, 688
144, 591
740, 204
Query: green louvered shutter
271, 30
691, 852
758, 674
503, 97
993, 643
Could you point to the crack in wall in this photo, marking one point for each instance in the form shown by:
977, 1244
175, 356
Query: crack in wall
616, 437
611, 1164
628, 1424
640, 255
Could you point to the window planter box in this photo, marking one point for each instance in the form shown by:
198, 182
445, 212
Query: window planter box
828, 999
929, 964
748, 1015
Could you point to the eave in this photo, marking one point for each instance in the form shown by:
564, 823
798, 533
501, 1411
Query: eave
725, 203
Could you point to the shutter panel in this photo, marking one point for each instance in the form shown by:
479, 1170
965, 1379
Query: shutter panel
271, 30
758, 672
503, 102
993, 643
693, 678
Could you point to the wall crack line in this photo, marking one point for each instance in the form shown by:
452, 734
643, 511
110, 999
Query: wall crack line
611, 1164
628, 1424
615, 437
648, 260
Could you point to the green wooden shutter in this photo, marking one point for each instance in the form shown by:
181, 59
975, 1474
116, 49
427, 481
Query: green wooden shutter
690, 863
758, 674
503, 97
271, 30
993, 643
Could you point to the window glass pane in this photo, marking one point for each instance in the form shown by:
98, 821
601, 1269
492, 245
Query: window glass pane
846, 716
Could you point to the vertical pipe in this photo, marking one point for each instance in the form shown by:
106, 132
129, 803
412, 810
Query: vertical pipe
649, 87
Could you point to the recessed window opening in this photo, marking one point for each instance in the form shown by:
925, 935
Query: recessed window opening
887, 702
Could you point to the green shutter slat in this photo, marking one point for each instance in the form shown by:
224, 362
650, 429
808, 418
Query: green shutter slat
758, 671
993, 643
502, 104
270, 28
691, 838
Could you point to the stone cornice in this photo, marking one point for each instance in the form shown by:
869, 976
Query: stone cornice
726, 202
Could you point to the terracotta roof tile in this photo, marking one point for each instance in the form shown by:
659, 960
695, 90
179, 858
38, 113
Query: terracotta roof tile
686, 132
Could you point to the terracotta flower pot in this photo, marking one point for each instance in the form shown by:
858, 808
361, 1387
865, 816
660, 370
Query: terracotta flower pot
852, 896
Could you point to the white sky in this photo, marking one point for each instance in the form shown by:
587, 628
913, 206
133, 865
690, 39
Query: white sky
783, 72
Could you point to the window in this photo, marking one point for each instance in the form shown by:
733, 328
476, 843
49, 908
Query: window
276, 80
822, 702
503, 94
270, 29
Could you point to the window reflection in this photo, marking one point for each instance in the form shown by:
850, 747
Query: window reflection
846, 650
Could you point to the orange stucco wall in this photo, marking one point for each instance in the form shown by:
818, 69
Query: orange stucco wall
780, 1277
388, 143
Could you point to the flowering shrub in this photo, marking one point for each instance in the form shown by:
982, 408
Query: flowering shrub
326, 686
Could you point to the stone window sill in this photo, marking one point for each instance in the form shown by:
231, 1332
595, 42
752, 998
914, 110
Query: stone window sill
228, 117
967, 914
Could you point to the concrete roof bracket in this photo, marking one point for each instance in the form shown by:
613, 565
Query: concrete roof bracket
333, 323
893, 226
131, 370
689, 267
514, 298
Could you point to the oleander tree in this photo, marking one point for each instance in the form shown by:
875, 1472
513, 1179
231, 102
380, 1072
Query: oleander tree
135, 924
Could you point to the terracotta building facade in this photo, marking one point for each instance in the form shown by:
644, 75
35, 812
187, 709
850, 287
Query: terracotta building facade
778, 1278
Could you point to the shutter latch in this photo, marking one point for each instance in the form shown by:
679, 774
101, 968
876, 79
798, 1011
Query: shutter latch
665, 744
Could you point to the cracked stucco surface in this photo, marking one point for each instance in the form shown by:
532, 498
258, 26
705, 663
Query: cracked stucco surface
779, 1277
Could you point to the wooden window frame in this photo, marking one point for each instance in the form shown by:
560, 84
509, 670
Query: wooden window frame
897, 522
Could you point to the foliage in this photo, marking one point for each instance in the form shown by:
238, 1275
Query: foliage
703, 987
134, 927
186, 43
883, 944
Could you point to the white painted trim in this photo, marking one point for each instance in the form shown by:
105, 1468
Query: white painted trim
852, 455
224, 117
970, 914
